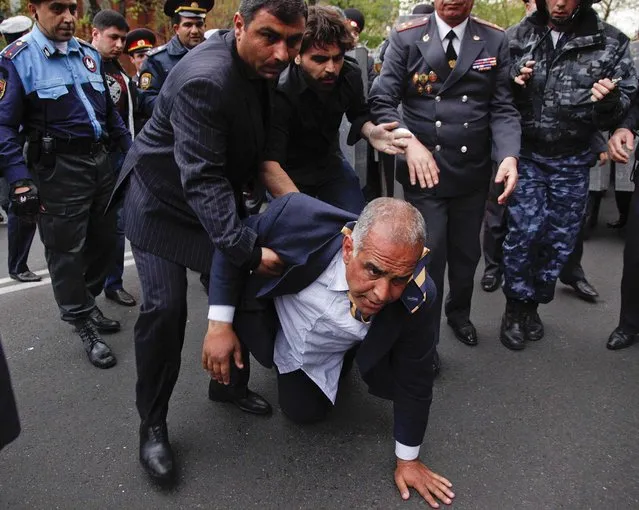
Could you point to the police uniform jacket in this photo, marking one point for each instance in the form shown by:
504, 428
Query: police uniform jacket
187, 166
458, 114
155, 69
64, 95
558, 117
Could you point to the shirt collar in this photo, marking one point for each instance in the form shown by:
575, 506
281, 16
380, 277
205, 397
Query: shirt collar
338, 281
443, 28
47, 45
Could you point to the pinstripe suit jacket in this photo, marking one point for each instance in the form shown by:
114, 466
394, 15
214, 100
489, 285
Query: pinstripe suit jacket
202, 144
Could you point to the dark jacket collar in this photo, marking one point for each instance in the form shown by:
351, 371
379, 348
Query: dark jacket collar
175, 48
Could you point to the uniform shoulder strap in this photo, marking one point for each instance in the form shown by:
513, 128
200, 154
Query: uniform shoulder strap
414, 23
157, 50
13, 49
487, 23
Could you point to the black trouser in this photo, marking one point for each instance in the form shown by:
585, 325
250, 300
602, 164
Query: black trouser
629, 316
159, 334
77, 232
453, 225
20, 236
300, 398
9, 421
495, 229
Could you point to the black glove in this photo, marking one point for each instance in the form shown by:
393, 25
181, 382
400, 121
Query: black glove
610, 101
25, 204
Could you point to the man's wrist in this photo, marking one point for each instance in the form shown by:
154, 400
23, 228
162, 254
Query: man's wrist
221, 313
403, 452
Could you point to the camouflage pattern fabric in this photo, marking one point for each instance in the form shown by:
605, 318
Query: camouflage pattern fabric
558, 117
544, 217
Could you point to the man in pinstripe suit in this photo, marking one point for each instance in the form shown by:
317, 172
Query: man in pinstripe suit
185, 175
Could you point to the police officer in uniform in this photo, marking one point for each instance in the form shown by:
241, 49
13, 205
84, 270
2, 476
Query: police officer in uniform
51, 85
450, 72
188, 25
620, 144
574, 76
137, 46
20, 231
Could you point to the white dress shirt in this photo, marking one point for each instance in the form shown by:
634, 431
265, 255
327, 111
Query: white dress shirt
443, 28
317, 329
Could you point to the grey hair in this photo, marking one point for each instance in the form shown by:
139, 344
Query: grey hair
408, 225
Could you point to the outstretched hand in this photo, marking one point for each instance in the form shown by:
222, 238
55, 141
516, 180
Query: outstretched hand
430, 485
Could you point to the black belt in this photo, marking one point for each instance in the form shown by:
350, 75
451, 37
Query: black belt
78, 146
553, 149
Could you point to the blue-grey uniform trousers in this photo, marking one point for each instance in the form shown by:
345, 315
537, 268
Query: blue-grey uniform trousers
544, 217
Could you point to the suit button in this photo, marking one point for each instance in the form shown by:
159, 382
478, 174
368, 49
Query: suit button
464, 149
438, 98
438, 123
438, 148
464, 99
466, 125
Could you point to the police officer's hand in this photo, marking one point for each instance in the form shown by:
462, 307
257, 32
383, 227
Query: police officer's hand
602, 88
525, 73
421, 165
388, 139
603, 158
220, 346
271, 263
23, 195
618, 152
413, 473
507, 173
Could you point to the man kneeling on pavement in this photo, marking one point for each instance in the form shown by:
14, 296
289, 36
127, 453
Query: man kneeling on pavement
351, 290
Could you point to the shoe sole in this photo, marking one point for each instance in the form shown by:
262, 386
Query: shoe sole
103, 329
164, 481
121, 303
104, 366
510, 346
244, 409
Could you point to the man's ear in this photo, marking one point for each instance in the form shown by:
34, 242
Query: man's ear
347, 249
94, 32
175, 28
238, 23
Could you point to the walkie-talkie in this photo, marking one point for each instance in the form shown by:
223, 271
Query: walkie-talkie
47, 146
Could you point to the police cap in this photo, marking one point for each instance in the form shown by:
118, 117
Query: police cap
355, 17
188, 8
140, 39
423, 9
16, 25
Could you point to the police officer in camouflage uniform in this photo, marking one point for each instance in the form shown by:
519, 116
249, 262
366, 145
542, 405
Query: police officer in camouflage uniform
627, 332
573, 75
188, 25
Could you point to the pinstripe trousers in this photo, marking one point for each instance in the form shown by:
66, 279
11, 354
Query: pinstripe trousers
158, 333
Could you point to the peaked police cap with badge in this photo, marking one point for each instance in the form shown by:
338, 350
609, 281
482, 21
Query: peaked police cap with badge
140, 39
188, 9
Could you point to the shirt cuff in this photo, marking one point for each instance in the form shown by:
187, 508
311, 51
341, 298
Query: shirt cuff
221, 313
404, 452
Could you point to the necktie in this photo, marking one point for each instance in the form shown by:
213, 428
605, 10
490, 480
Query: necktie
451, 54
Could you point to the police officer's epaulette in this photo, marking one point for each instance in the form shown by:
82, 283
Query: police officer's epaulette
156, 50
488, 24
84, 43
13, 49
419, 22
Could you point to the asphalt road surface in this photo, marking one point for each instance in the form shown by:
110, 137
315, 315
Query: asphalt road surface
552, 427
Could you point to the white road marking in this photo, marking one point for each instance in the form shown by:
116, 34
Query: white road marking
18, 286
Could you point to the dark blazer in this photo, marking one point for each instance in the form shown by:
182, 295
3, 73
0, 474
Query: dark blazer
458, 114
396, 357
9, 422
189, 163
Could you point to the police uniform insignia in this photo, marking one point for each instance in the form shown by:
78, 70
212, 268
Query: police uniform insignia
46, 52
484, 64
145, 80
195, 5
426, 38
13, 49
432, 77
18, 43
452, 63
429, 89
89, 63
420, 22
488, 24
476, 38
3, 88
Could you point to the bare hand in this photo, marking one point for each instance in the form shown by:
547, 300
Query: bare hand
220, 345
603, 158
615, 145
507, 173
421, 165
601, 89
271, 264
383, 139
412, 473
21, 189
525, 73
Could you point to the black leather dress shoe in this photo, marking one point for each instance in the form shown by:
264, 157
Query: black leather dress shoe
512, 332
156, 455
103, 324
464, 331
620, 339
25, 276
490, 282
584, 290
99, 353
247, 400
120, 296
534, 328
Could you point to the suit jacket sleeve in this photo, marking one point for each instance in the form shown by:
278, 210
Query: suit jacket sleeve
631, 121
388, 90
201, 130
412, 366
505, 121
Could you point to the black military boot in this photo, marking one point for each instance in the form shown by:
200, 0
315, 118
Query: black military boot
534, 327
99, 353
513, 325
